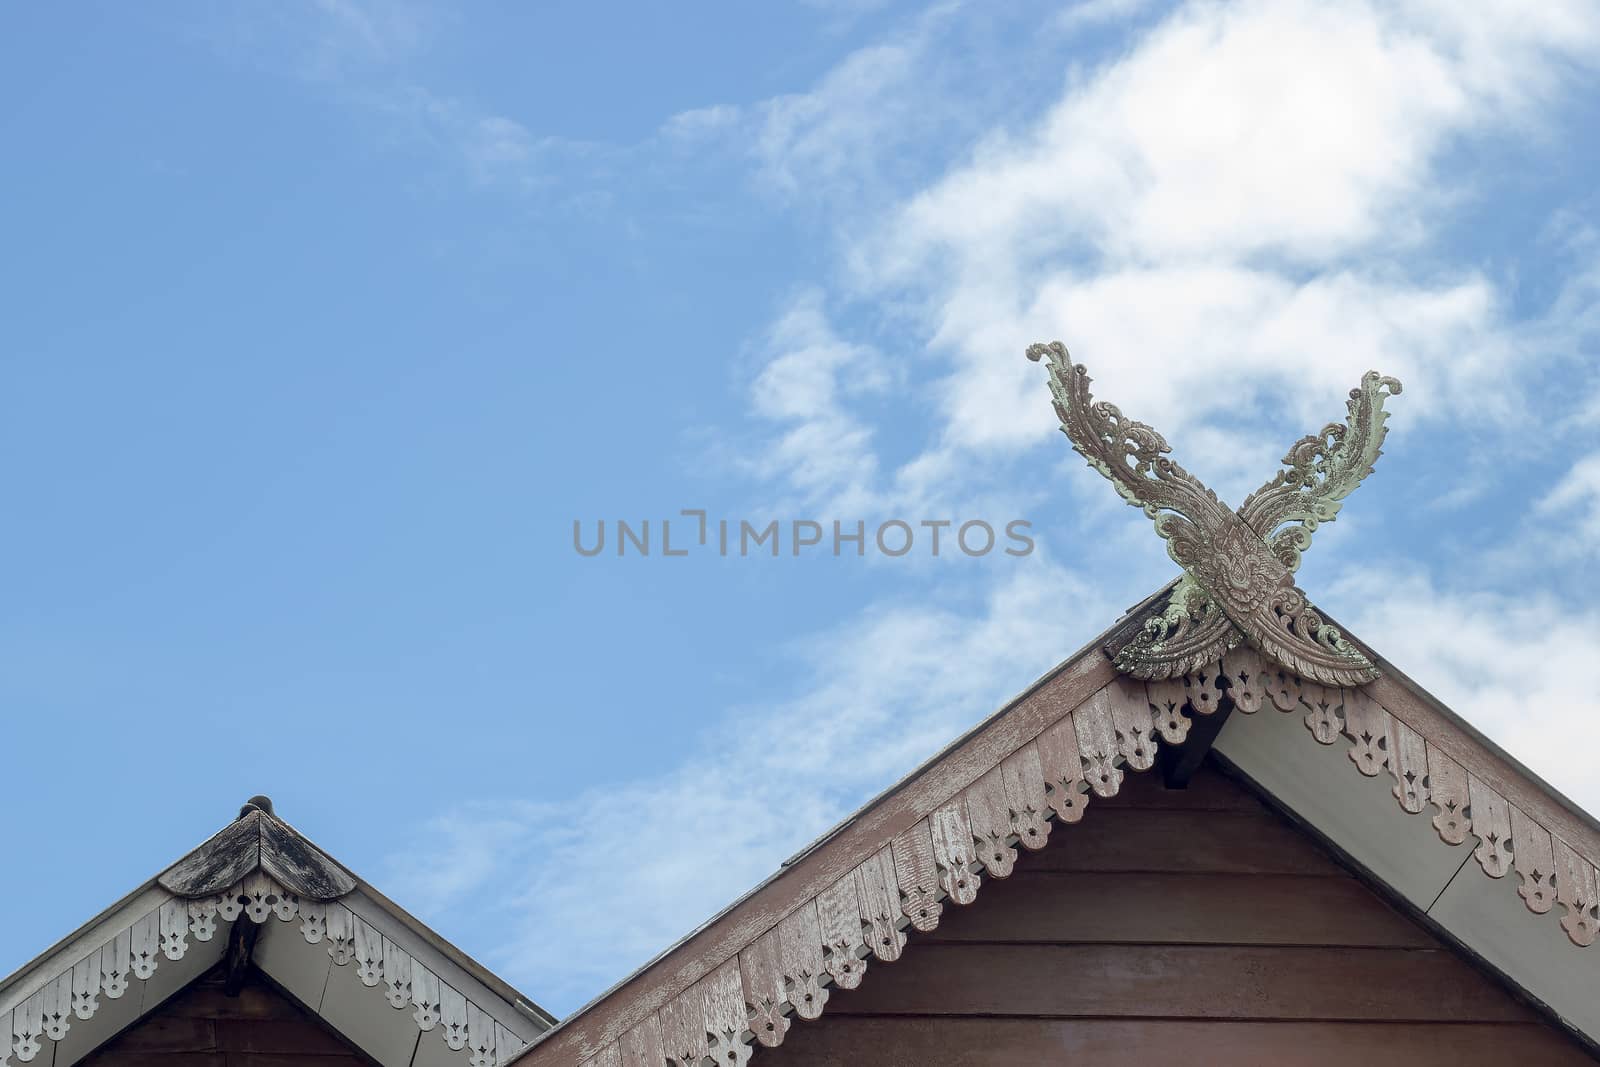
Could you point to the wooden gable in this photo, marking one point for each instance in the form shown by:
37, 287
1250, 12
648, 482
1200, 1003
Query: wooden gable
1190, 926
259, 894
1398, 786
202, 1026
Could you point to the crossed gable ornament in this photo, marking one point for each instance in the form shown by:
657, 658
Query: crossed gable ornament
1238, 581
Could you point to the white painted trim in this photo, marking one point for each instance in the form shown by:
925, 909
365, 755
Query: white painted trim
119, 955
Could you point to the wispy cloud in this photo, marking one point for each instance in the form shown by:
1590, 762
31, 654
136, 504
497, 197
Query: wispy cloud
365, 54
808, 377
346, 33
1575, 504
1225, 203
888, 689
1082, 13
489, 149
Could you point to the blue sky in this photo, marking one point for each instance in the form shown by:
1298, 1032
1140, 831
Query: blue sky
323, 322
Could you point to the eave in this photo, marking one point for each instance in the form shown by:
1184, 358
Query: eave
929, 842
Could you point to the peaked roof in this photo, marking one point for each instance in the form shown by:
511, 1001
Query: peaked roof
259, 892
1414, 770
257, 843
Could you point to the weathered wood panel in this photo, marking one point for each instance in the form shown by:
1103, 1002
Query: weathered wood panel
203, 1027
1182, 981
851, 1041
1206, 791
1176, 908
1191, 926
1224, 842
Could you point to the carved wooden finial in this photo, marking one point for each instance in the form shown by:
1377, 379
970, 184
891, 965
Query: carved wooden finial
1238, 582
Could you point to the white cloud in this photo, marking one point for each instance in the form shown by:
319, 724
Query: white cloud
889, 689
1223, 221
1297, 129
1094, 12
808, 376
353, 31
701, 122
849, 142
1575, 504
1509, 665
362, 53
489, 148
819, 140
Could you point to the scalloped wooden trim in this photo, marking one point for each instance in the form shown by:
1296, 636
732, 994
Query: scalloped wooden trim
1549, 870
165, 931
944, 858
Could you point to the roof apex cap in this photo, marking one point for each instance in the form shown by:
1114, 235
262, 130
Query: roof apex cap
257, 841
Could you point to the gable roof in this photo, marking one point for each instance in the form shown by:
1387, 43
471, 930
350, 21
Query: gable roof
1413, 770
320, 932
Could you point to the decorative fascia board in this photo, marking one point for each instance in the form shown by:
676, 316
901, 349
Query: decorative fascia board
747, 999
158, 926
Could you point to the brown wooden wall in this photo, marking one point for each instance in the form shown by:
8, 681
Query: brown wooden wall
1191, 927
204, 1027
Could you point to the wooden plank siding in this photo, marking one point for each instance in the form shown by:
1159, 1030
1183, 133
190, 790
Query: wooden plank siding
204, 1027
1193, 926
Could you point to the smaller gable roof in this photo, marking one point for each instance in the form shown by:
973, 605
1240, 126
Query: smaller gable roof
377, 975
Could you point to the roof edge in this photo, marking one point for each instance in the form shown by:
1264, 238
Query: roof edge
920, 835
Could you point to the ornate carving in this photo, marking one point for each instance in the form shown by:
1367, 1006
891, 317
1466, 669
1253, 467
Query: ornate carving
1023, 778
1188, 632
1167, 700
1065, 789
1097, 745
1246, 680
1408, 762
916, 874
138, 950
146, 939
1447, 784
844, 931
1575, 889
86, 986
1239, 566
1323, 469
879, 909
952, 850
397, 974
722, 1016
1534, 861
767, 1021
452, 1018
425, 997
1367, 726
991, 824
1323, 718
1491, 822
